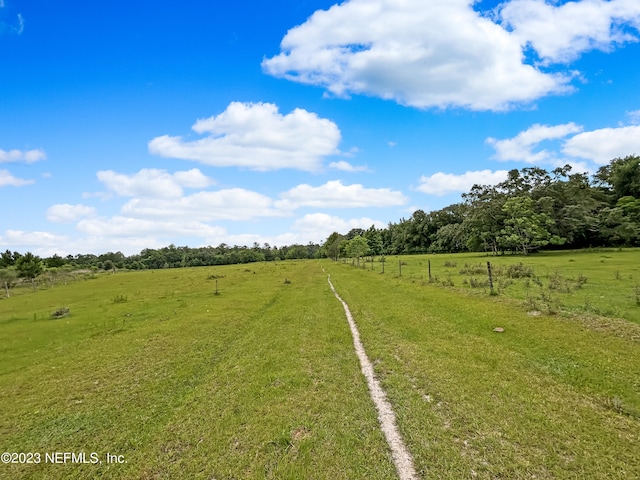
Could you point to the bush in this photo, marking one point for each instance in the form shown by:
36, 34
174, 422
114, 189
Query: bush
519, 270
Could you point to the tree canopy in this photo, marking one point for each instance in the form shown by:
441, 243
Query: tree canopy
530, 210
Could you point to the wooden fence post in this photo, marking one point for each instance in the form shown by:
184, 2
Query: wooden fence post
429, 263
400, 266
490, 276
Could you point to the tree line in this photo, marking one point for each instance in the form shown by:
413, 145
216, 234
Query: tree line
15, 267
531, 210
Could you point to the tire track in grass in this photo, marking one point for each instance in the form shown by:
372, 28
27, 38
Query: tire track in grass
386, 416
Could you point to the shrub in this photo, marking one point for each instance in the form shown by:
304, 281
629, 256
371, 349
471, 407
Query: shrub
519, 270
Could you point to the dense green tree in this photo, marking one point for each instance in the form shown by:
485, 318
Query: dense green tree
374, 239
55, 261
524, 229
622, 175
29, 266
332, 246
357, 248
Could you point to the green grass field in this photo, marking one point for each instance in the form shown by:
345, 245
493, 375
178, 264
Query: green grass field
261, 381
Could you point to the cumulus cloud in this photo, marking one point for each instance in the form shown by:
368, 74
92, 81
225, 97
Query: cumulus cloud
605, 144
151, 182
319, 226
520, 147
440, 53
31, 239
229, 204
7, 179
65, 213
597, 146
256, 136
23, 156
445, 183
561, 33
120, 226
334, 194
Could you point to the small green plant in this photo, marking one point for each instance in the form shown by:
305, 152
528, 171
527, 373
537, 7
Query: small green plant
449, 263
120, 299
287, 281
448, 282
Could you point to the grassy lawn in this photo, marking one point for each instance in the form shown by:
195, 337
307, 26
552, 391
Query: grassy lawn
604, 282
261, 381
551, 397
258, 382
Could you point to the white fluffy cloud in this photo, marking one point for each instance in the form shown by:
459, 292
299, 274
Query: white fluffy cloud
31, 239
151, 182
6, 179
25, 156
65, 213
258, 137
605, 144
445, 183
229, 204
334, 194
520, 147
320, 225
561, 33
120, 226
439, 53
598, 146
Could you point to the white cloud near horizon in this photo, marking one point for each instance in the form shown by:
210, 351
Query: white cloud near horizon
598, 146
445, 183
7, 179
562, 33
23, 156
152, 182
603, 145
66, 213
520, 147
229, 204
120, 226
258, 137
334, 194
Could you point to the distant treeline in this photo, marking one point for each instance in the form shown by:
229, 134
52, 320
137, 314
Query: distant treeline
530, 210
30, 266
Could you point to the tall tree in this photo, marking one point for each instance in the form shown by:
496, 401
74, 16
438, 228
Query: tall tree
357, 248
524, 229
29, 266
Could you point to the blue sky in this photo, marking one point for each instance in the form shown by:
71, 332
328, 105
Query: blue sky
131, 125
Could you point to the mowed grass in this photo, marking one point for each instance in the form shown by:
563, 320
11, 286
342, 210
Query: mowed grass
553, 396
260, 381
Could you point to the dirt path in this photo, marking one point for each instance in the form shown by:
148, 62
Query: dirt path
387, 418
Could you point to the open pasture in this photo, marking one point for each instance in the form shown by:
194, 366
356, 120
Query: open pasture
603, 282
261, 380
